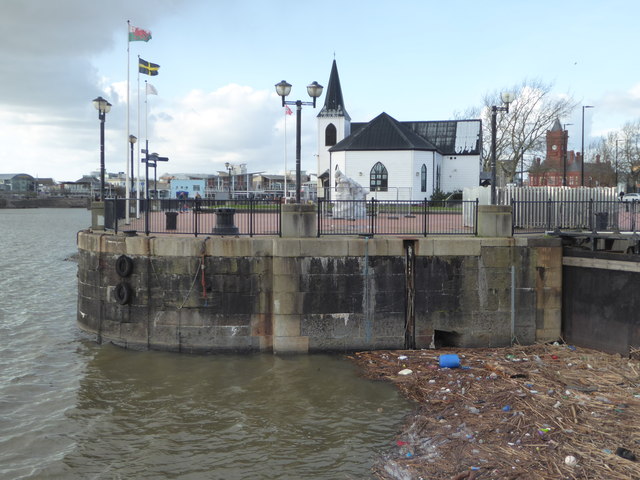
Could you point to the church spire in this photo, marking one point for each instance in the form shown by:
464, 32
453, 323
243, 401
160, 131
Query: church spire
333, 102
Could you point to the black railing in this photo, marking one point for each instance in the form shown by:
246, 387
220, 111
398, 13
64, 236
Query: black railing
365, 218
396, 217
194, 216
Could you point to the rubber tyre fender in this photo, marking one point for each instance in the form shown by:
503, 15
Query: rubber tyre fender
124, 266
122, 293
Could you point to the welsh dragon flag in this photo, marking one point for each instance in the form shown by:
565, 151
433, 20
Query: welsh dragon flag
138, 34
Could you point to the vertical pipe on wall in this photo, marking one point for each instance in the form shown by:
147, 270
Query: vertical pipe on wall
513, 303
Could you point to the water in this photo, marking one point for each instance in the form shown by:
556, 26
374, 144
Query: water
72, 409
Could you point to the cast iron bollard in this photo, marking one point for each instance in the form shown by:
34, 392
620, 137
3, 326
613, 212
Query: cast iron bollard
172, 220
224, 222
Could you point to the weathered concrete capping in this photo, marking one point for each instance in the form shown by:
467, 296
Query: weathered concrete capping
97, 215
494, 221
299, 220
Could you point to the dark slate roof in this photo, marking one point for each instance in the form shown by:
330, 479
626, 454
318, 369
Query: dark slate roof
333, 102
450, 137
557, 127
383, 133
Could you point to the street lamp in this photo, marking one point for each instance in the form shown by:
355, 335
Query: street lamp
132, 140
103, 108
314, 90
565, 146
582, 152
617, 140
506, 98
228, 167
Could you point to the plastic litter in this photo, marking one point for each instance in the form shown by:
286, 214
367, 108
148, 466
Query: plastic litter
402, 357
405, 371
506, 408
570, 460
626, 454
449, 361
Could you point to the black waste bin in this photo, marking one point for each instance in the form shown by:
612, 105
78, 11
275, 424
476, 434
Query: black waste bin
172, 220
602, 220
225, 222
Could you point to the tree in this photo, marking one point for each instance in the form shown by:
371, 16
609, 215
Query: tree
523, 129
622, 150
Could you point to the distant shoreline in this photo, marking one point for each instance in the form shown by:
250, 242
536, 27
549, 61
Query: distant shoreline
44, 202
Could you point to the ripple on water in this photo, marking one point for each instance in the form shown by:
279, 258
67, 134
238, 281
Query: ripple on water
70, 409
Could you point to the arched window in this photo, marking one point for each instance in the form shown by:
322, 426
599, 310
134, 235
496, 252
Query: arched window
423, 178
330, 135
378, 178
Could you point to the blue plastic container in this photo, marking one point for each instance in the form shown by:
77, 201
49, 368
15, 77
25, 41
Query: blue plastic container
449, 361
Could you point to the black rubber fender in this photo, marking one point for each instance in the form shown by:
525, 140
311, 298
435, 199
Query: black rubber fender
124, 266
122, 293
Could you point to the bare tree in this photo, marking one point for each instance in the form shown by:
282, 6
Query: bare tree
621, 148
522, 130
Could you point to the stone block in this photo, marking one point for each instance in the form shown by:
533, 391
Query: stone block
425, 247
324, 247
288, 303
494, 221
299, 221
496, 257
137, 245
548, 256
458, 247
286, 325
287, 247
285, 284
290, 345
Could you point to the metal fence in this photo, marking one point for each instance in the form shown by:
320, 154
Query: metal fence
364, 217
396, 217
194, 216
592, 215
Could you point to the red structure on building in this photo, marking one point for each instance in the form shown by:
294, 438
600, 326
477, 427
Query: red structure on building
562, 167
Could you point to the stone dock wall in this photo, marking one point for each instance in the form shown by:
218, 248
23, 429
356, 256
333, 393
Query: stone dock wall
299, 295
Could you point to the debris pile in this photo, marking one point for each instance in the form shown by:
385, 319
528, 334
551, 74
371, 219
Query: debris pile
524, 412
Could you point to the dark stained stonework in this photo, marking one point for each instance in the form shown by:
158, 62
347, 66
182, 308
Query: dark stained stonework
205, 295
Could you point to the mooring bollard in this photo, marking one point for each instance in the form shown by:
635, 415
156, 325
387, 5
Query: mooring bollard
225, 222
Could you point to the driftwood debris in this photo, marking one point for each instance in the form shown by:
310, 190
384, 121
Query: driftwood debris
523, 412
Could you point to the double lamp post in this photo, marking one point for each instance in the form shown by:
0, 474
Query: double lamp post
506, 98
314, 90
103, 108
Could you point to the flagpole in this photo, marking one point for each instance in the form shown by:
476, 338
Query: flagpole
285, 155
126, 150
138, 183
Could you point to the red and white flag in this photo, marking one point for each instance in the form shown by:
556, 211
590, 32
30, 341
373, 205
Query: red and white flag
287, 110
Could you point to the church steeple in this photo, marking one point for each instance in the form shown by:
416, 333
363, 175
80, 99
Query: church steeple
334, 124
333, 102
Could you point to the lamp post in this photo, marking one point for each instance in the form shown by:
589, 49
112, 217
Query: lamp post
150, 160
582, 146
228, 167
506, 98
617, 140
314, 90
132, 141
565, 146
103, 108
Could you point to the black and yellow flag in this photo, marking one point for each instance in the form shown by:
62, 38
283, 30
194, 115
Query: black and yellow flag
147, 68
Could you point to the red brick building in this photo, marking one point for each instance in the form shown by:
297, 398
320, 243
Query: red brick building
560, 162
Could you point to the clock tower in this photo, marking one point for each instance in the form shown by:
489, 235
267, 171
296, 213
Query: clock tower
555, 146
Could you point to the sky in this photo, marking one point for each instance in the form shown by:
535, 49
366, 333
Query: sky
219, 62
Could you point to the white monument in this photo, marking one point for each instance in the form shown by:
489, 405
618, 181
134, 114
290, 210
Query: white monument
351, 198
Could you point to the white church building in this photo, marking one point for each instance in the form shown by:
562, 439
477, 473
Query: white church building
395, 160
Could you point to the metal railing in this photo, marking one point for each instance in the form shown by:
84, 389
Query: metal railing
592, 215
396, 217
194, 216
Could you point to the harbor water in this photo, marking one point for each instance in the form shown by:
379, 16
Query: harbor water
73, 409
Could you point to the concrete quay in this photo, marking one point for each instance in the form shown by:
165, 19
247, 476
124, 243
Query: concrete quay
301, 294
